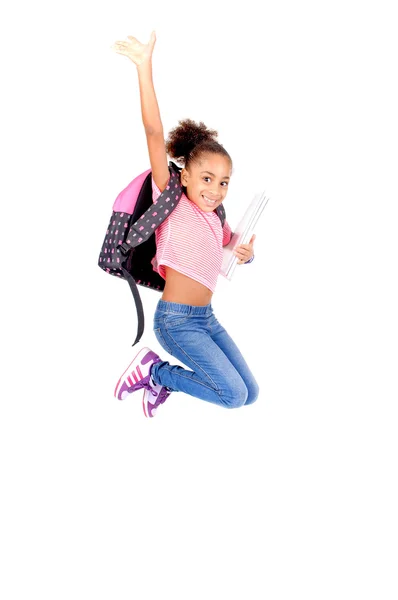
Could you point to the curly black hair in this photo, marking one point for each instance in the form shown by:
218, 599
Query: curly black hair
188, 141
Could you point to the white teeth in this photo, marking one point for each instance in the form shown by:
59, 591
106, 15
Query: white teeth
209, 201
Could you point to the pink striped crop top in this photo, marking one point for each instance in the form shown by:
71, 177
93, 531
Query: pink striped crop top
190, 241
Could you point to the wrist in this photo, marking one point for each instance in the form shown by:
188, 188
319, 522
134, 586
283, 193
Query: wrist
145, 65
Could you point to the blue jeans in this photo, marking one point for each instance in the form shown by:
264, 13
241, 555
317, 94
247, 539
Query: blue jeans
194, 336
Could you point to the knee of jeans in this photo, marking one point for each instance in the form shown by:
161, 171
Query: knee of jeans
253, 393
237, 397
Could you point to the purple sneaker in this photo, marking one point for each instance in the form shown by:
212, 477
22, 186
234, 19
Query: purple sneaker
154, 397
137, 374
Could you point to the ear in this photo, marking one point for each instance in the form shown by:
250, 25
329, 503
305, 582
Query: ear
184, 177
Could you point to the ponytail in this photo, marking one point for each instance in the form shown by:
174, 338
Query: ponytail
188, 141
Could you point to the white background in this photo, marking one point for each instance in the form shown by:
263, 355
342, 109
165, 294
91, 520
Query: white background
294, 496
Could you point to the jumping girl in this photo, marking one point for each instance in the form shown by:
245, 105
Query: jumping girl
189, 257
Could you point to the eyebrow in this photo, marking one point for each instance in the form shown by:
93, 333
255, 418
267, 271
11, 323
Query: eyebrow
226, 176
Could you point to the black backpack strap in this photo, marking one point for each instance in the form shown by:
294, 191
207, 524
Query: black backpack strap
220, 210
138, 304
133, 237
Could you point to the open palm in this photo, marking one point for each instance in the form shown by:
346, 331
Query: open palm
135, 50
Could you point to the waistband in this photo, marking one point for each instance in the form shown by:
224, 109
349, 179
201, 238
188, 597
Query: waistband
186, 309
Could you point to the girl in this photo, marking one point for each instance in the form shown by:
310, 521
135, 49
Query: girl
189, 256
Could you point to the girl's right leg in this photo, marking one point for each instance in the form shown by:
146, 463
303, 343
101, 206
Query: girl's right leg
184, 332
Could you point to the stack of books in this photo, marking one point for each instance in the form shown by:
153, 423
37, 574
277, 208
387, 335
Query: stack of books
242, 233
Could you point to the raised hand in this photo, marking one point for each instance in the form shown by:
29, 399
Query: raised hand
135, 50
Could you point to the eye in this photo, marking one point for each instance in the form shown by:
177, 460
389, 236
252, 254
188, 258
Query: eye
226, 183
206, 178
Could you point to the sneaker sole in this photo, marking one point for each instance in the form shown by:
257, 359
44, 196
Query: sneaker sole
145, 412
138, 356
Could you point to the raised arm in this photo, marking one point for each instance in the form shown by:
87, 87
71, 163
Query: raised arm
141, 55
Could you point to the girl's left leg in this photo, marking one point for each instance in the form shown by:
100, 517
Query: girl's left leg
224, 341
184, 332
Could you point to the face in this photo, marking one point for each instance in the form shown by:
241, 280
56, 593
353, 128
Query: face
207, 181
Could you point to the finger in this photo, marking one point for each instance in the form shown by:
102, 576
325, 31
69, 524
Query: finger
119, 46
120, 50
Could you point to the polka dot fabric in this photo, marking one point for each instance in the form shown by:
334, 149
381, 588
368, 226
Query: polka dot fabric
110, 258
157, 213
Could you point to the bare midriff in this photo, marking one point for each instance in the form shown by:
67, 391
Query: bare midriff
184, 290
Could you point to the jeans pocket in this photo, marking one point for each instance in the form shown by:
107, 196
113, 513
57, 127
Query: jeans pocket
173, 320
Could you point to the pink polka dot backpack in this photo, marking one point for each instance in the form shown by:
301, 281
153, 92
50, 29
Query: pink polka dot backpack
129, 245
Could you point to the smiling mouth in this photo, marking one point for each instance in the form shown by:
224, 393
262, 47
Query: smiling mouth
208, 201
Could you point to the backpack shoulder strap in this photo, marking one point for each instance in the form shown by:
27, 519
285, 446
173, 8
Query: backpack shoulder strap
144, 228
158, 212
220, 210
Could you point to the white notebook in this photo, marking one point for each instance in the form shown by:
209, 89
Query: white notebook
242, 233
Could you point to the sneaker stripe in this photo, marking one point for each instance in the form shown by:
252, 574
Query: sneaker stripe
130, 379
124, 374
132, 376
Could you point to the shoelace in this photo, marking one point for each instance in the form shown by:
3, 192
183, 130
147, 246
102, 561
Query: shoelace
144, 383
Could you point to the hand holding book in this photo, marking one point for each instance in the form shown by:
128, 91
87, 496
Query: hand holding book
239, 250
245, 252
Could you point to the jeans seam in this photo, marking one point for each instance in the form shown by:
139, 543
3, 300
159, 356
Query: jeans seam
199, 367
158, 329
200, 383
